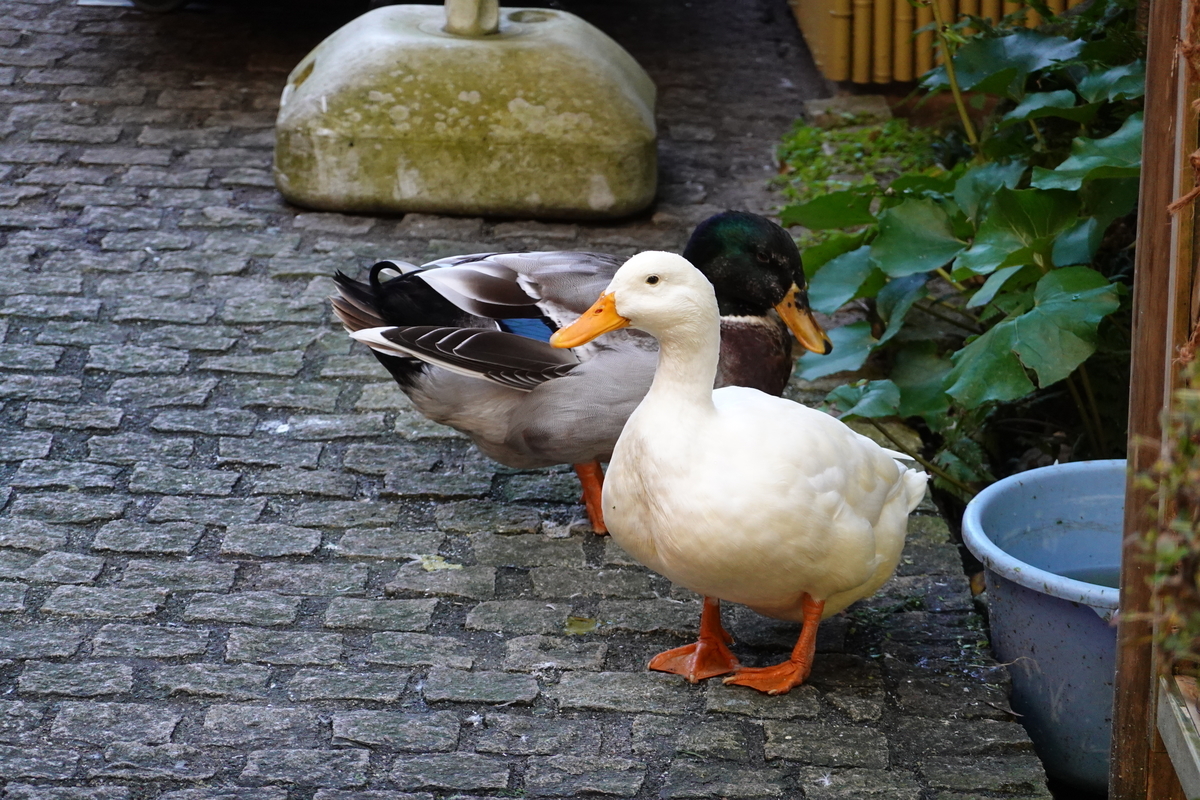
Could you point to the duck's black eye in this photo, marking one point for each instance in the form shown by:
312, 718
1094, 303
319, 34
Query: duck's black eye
763, 256
653, 279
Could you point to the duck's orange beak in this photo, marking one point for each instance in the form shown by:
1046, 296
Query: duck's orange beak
794, 311
601, 318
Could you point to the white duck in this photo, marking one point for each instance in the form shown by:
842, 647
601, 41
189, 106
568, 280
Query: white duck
736, 494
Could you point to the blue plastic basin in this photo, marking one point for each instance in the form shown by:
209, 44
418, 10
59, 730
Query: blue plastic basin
1050, 539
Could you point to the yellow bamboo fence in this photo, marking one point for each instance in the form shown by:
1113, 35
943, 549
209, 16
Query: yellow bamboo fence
873, 41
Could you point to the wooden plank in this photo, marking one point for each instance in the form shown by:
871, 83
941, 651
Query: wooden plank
1136, 768
1178, 730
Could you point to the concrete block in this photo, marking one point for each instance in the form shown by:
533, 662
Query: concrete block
548, 117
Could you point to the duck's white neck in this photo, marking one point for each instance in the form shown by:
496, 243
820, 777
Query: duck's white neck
687, 360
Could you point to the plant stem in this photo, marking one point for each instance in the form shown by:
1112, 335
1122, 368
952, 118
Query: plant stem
934, 468
952, 78
946, 318
1094, 407
1084, 416
1037, 134
941, 271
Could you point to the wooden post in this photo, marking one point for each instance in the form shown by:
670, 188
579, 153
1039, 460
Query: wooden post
1140, 769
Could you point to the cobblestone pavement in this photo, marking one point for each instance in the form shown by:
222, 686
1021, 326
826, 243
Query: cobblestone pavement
235, 566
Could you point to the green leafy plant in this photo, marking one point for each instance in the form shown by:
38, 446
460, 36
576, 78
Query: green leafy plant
1017, 251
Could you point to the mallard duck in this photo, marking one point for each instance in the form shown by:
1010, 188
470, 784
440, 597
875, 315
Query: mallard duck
466, 338
733, 493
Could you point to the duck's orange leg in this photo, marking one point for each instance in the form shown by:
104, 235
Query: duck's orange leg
591, 476
781, 678
708, 657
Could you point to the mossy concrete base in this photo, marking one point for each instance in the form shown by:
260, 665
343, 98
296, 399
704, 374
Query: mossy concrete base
547, 118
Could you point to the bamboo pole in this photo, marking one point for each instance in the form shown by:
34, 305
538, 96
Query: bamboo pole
841, 19
902, 28
860, 47
924, 44
881, 52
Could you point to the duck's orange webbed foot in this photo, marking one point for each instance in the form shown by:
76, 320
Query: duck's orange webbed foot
782, 678
708, 657
591, 477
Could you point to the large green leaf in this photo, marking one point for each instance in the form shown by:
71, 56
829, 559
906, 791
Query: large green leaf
1020, 225
1118, 83
833, 210
819, 254
977, 185
1051, 339
896, 298
1078, 244
993, 284
838, 281
866, 399
851, 345
1115, 156
920, 373
1000, 65
915, 236
1050, 104
1109, 198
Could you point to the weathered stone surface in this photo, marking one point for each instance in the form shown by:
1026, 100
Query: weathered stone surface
88, 601
129, 448
569, 776
619, 691
171, 538
180, 762
385, 615
40, 641
475, 582
207, 511
481, 516
30, 534
197, 577
435, 731
292, 481
649, 616
105, 723
389, 543
250, 725
245, 608
984, 774
240, 682
20, 722
279, 647
449, 771
479, 687
510, 734
75, 680
851, 784
561, 582
38, 474
415, 649
327, 768
16, 762
59, 567
526, 551
518, 616
382, 687
69, 507
148, 641
532, 653
800, 703
826, 745
690, 779
270, 540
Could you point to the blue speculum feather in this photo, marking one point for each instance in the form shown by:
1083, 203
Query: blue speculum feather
529, 328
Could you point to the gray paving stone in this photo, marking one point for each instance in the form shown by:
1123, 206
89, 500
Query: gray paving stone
161, 391
89, 679
130, 448
535, 487
312, 579
435, 731
474, 582
255, 310
240, 682
133, 360
344, 514
268, 453
518, 616
179, 576
375, 459
41, 387
569, 776
651, 734
916, 738
824, 745
381, 687
984, 774
825, 784
622, 691
45, 474
289, 481
14, 564
228, 724
280, 365
148, 641
286, 394
718, 739
60, 567
509, 734
387, 543
27, 791
229, 793
104, 602
69, 507
105, 723
481, 516
169, 538
565, 582
50, 307
327, 768
269, 540
326, 427
86, 417
649, 616
207, 511
527, 550
459, 686
283, 647
29, 356
40, 641
20, 722
803, 702
448, 484
463, 771
530, 653
179, 762
216, 421
689, 779
417, 649
17, 447
244, 608
12, 597
386, 615
16, 762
